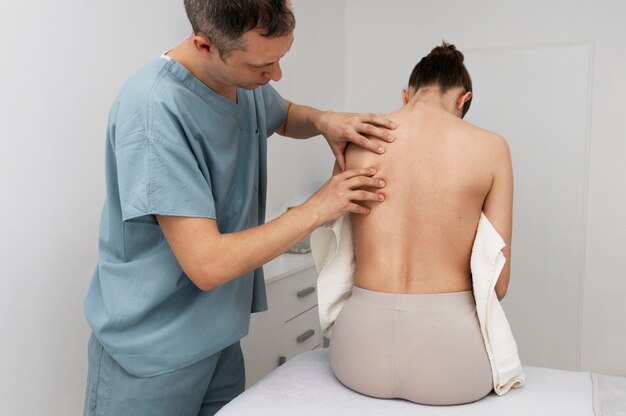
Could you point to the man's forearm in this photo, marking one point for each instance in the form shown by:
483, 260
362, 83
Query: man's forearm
252, 248
302, 122
210, 258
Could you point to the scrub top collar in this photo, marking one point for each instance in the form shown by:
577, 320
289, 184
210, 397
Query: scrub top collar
183, 75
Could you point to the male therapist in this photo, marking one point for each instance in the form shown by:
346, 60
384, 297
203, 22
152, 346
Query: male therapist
182, 237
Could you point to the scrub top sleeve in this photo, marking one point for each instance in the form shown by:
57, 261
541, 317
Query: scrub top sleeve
275, 108
158, 173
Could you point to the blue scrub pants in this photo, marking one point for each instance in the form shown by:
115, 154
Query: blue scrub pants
200, 389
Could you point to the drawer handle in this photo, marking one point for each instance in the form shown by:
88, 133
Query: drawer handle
306, 291
308, 334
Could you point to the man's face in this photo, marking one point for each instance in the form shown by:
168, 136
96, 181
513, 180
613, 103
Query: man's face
259, 63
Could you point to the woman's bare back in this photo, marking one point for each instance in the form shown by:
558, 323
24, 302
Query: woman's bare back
439, 173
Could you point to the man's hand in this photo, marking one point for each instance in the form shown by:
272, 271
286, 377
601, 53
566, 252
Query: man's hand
339, 129
343, 193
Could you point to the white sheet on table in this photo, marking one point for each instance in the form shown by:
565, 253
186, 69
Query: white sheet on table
306, 386
609, 395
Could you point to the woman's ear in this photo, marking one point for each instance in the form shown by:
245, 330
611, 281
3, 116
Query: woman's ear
466, 97
405, 96
460, 102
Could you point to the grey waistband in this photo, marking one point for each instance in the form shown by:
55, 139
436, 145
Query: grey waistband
414, 301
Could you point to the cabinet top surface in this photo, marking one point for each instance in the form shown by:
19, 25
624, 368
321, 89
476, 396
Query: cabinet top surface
287, 264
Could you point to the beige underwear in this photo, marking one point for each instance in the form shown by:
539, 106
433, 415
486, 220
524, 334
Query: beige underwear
426, 348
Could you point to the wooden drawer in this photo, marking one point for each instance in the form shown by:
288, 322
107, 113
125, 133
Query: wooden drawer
293, 294
302, 333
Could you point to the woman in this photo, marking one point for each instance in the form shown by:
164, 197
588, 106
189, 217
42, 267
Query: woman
410, 329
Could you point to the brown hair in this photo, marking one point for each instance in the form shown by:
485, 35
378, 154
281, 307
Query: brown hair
442, 67
224, 21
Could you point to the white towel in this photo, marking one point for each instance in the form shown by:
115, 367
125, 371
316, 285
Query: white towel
333, 253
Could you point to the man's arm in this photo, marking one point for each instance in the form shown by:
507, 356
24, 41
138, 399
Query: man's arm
210, 258
498, 207
339, 129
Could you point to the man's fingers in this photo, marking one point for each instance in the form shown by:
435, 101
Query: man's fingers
379, 120
351, 173
378, 126
364, 182
367, 143
358, 209
378, 133
363, 196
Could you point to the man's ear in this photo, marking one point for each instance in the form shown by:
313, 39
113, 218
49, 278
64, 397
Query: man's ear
203, 44
462, 100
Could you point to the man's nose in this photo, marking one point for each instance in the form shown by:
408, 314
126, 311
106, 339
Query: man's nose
275, 73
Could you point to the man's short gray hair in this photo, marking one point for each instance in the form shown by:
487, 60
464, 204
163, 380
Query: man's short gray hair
225, 21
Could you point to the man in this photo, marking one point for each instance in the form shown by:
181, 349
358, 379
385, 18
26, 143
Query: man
181, 237
412, 304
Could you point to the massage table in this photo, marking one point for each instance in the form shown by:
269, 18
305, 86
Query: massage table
305, 385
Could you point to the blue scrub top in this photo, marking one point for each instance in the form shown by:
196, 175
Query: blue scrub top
175, 147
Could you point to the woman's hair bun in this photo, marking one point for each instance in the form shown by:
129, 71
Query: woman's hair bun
443, 68
447, 49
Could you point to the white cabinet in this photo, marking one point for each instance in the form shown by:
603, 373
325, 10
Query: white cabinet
291, 324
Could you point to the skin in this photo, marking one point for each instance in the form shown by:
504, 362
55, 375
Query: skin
440, 173
210, 258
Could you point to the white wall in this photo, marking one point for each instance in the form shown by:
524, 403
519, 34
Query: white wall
63, 63
549, 77
312, 75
